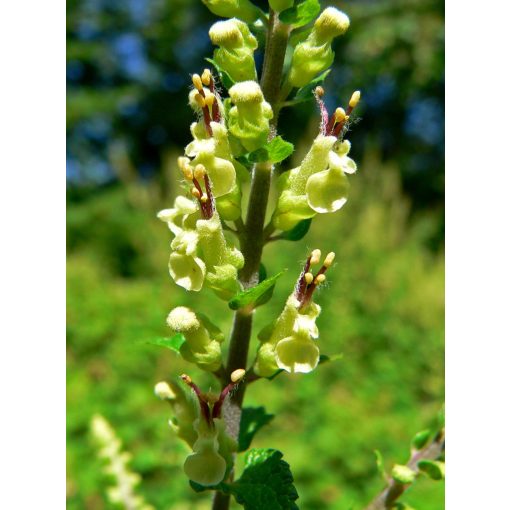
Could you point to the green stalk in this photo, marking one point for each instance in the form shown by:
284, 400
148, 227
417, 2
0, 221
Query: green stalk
252, 237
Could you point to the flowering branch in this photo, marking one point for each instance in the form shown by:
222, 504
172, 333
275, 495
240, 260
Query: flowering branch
389, 496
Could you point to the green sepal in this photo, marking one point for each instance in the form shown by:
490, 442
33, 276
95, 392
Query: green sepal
214, 331
301, 14
275, 151
222, 486
306, 93
435, 469
252, 420
324, 358
255, 296
173, 343
266, 482
225, 78
421, 439
298, 232
403, 474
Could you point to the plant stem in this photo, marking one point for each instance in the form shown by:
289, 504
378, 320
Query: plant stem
252, 236
389, 496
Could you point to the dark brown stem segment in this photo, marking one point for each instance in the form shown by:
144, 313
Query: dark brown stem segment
252, 236
389, 496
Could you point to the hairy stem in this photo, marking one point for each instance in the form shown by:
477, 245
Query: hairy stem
389, 496
252, 236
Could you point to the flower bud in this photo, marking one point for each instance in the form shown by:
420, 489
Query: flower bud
199, 347
331, 23
236, 47
315, 55
403, 474
242, 9
249, 117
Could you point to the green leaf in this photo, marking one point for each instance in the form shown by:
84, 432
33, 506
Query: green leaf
379, 461
421, 439
225, 78
266, 482
302, 13
298, 232
433, 468
174, 343
275, 151
403, 474
252, 420
306, 93
257, 295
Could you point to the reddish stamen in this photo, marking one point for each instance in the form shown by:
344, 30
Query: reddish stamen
324, 115
301, 284
216, 411
311, 288
215, 108
207, 120
210, 197
204, 406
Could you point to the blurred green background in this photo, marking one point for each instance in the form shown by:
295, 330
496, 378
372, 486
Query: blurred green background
128, 71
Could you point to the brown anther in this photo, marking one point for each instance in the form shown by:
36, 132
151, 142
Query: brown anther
315, 258
206, 77
187, 171
209, 100
319, 91
237, 375
321, 278
200, 100
199, 171
340, 115
197, 82
330, 257
186, 378
308, 282
356, 96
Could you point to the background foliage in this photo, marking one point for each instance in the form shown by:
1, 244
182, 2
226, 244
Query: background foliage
128, 72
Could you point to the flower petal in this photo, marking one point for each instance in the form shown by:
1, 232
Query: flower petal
187, 271
297, 354
327, 191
